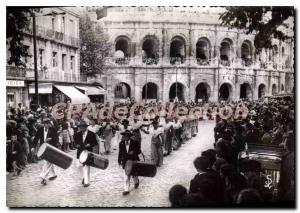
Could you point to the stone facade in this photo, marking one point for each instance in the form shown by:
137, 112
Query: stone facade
206, 53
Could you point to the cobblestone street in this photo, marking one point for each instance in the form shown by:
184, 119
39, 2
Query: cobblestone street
107, 185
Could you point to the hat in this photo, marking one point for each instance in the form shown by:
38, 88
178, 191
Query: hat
84, 123
46, 120
127, 132
125, 121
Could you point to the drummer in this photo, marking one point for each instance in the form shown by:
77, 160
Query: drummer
46, 134
129, 149
84, 140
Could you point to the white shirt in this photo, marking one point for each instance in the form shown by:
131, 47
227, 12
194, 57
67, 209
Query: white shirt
127, 145
84, 135
156, 132
167, 126
94, 128
45, 134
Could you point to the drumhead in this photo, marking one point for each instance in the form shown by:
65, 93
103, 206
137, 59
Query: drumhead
128, 167
42, 149
83, 156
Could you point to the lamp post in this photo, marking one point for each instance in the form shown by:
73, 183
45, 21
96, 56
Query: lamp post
148, 60
177, 60
35, 60
35, 53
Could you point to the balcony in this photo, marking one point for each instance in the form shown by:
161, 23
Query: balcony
202, 62
15, 72
54, 35
122, 61
246, 62
225, 63
55, 75
150, 61
177, 60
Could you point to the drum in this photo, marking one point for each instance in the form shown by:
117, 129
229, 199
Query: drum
92, 159
55, 156
137, 168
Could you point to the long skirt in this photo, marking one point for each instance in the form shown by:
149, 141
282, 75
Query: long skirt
156, 154
168, 141
107, 143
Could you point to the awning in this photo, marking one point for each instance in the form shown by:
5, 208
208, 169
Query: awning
82, 88
43, 88
75, 96
93, 90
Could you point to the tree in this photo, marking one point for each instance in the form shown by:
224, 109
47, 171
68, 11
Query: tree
266, 22
94, 47
18, 19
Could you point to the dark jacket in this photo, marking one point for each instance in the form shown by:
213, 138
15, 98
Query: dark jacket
39, 136
89, 139
123, 156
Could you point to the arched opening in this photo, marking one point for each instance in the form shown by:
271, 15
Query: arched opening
150, 91
203, 51
122, 90
274, 89
282, 88
176, 91
245, 91
225, 52
150, 50
225, 92
246, 53
202, 92
122, 46
261, 90
177, 50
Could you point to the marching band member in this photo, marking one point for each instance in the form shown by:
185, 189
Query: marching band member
137, 127
129, 149
156, 144
84, 140
46, 134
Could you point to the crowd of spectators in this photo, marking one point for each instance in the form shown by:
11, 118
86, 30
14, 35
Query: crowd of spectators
224, 178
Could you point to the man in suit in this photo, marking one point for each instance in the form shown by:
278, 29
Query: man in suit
85, 140
129, 149
46, 134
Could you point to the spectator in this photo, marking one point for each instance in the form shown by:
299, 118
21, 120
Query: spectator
249, 196
176, 195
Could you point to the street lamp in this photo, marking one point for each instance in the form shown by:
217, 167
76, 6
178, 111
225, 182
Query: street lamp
148, 60
35, 52
177, 62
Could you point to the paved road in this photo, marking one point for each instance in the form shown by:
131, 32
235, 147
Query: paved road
107, 185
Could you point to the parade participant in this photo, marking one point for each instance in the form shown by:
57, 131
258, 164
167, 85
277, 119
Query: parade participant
137, 127
177, 131
129, 149
122, 127
168, 136
156, 144
84, 140
107, 135
46, 134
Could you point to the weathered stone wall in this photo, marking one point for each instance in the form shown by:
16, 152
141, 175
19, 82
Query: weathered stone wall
190, 24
